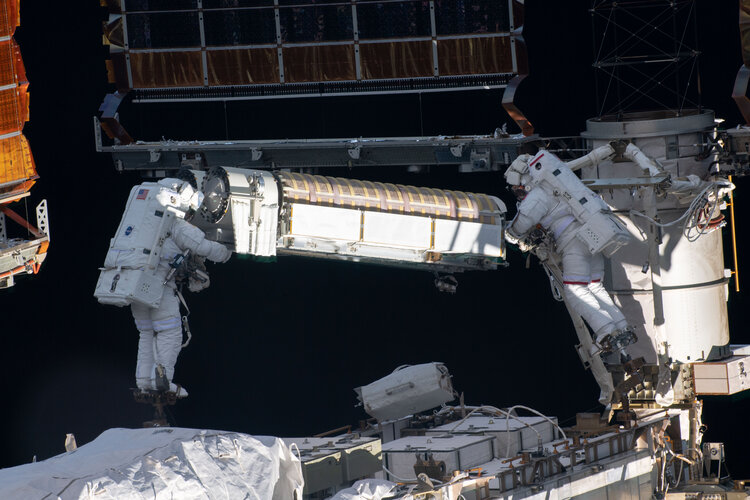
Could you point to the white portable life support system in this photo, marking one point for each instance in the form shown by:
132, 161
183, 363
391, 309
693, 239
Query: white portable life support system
602, 231
130, 267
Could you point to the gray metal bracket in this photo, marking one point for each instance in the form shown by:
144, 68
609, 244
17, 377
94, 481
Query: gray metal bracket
42, 218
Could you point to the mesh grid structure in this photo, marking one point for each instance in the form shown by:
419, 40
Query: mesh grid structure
313, 41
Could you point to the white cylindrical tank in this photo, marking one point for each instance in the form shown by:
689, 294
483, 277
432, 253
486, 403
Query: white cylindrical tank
692, 273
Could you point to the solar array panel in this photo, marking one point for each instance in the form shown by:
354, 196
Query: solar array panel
378, 46
17, 171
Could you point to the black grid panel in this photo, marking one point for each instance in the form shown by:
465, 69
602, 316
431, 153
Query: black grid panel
148, 5
163, 30
239, 27
305, 2
226, 4
319, 43
244, 22
393, 19
325, 23
471, 16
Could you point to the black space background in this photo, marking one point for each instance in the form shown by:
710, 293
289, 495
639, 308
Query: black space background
277, 348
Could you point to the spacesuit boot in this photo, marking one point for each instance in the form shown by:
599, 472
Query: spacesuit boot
614, 341
161, 381
598, 345
163, 384
180, 391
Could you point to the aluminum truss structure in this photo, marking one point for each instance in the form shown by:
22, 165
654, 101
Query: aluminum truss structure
645, 56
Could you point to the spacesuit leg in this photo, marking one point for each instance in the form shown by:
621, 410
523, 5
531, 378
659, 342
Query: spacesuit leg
144, 368
576, 267
168, 331
598, 290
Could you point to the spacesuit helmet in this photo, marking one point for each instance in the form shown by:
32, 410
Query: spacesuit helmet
517, 176
517, 173
190, 199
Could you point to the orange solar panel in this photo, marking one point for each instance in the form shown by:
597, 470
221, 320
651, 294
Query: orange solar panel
16, 162
10, 17
7, 63
10, 115
17, 169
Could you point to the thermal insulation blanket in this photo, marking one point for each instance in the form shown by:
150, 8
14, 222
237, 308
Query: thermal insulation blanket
366, 489
162, 463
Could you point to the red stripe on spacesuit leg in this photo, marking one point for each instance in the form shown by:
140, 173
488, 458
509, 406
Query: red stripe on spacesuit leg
575, 282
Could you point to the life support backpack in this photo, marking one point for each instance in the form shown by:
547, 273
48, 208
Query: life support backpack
130, 267
602, 230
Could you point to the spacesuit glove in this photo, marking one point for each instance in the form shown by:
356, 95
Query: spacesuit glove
523, 246
510, 238
519, 242
226, 257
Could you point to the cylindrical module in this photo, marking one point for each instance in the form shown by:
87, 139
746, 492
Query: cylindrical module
265, 214
690, 271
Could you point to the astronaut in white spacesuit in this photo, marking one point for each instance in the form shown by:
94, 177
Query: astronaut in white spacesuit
139, 271
542, 204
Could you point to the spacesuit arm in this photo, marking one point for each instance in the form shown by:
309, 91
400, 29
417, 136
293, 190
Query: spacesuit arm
187, 236
530, 212
595, 157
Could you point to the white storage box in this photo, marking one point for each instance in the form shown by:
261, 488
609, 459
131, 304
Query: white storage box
728, 376
458, 452
408, 390
391, 429
520, 432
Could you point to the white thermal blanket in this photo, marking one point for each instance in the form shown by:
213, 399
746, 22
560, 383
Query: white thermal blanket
162, 463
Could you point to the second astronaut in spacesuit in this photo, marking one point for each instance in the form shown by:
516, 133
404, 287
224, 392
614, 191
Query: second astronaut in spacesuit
544, 203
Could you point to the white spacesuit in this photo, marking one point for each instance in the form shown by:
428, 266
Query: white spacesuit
138, 271
546, 202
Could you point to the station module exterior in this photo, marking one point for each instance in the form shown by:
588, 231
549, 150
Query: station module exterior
264, 214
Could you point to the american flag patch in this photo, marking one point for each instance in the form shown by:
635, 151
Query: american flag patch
142, 193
